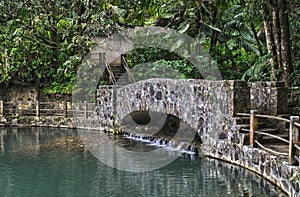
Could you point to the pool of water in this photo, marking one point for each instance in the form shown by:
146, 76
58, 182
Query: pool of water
38, 162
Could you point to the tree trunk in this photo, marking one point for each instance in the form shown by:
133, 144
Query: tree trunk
286, 67
270, 40
276, 31
214, 35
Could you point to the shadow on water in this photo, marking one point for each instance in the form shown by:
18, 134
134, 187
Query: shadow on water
57, 165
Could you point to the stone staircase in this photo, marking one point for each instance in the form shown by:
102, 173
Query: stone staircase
266, 126
119, 73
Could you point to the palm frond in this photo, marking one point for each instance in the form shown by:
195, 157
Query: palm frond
259, 71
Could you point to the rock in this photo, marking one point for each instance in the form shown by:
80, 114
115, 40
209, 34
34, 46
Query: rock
14, 121
222, 136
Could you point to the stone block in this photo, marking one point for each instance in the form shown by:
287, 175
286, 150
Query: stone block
269, 97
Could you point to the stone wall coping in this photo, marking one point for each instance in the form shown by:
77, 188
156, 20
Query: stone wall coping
267, 84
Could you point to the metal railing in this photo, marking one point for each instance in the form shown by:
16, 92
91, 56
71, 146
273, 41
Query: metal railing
293, 141
129, 73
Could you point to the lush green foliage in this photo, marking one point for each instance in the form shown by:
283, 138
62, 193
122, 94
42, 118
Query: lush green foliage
44, 42
295, 39
177, 69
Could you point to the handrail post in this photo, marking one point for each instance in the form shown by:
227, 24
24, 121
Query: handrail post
294, 138
253, 126
85, 110
1, 108
65, 108
37, 109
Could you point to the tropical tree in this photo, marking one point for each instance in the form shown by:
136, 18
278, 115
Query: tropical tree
44, 41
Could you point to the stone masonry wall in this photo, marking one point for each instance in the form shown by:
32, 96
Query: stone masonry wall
272, 168
269, 97
207, 106
105, 107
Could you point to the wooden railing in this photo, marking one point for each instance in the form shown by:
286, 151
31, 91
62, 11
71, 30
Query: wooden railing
129, 73
63, 108
294, 128
111, 74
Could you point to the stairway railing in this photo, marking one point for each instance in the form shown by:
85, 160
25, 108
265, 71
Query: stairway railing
294, 129
129, 73
111, 74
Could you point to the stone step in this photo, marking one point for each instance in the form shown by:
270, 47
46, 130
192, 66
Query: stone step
265, 130
263, 139
278, 147
261, 125
115, 64
118, 75
242, 120
271, 140
266, 140
118, 71
269, 130
117, 68
122, 80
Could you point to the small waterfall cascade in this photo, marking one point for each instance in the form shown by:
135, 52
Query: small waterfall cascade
171, 145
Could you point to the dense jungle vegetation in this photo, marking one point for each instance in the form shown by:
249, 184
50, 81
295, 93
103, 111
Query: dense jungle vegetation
44, 42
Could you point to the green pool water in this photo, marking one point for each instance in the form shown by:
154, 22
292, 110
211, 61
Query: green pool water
36, 162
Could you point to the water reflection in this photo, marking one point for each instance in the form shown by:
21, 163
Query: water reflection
29, 168
2, 142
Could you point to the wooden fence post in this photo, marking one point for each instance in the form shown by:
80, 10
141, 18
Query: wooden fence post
85, 110
37, 109
1, 108
294, 138
65, 108
253, 126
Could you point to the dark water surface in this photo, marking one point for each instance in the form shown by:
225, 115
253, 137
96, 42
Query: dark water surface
37, 162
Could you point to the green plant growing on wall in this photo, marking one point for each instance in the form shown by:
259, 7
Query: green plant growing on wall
117, 130
56, 118
295, 178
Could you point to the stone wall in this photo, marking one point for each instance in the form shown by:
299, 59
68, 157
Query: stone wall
207, 106
294, 101
105, 107
24, 94
272, 168
269, 97
210, 108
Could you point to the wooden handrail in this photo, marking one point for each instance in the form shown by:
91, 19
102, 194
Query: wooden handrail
129, 73
37, 110
296, 146
270, 150
268, 134
274, 136
293, 132
270, 117
111, 74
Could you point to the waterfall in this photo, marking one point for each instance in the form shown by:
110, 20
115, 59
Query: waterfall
171, 145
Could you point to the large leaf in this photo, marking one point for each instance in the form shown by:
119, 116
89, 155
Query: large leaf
183, 27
